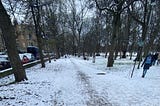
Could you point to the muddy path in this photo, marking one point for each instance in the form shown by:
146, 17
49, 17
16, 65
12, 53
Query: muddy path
93, 98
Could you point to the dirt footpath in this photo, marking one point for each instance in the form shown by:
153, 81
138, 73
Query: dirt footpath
93, 97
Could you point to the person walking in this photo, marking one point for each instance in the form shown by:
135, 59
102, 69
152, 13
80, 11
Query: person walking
158, 60
147, 63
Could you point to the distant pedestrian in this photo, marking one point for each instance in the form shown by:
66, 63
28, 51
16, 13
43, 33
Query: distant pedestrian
65, 56
158, 60
154, 58
147, 63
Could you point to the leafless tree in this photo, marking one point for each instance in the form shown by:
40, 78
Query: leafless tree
9, 38
141, 13
115, 7
78, 9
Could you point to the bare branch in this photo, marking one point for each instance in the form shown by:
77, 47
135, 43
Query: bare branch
104, 8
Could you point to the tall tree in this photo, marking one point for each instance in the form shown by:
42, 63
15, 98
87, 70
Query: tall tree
35, 9
153, 29
52, 27
78, 9
114, 7
143, 19
9, 38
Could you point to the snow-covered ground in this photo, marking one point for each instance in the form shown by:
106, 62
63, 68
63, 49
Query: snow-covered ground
76, 82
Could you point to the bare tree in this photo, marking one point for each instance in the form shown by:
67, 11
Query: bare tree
76, 20
153, 26
9, 38
143, 18
36, 14
115, 7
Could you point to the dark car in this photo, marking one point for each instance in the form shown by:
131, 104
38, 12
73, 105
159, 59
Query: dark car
34, 50
4, 62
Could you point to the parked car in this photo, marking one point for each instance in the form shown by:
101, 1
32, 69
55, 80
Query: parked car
27, 57
97, 54
30, 56
34, 50
4, 62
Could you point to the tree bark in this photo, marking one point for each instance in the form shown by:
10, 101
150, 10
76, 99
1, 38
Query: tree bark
38, 30
116, 26
10, 42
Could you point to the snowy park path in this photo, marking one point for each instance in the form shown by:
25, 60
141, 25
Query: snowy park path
76, 82
62, 83
117, 86
94, 99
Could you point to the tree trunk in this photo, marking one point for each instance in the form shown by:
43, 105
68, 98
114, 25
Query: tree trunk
145, 24
56, 51
48, 53
10, 42
36, 19
94, 58
40, 50
123, 54
111, 56
116, 25
117, 46
130, 55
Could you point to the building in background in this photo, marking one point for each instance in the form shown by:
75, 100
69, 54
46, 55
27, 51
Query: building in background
25, 36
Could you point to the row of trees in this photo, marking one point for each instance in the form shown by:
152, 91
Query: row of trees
88, 26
